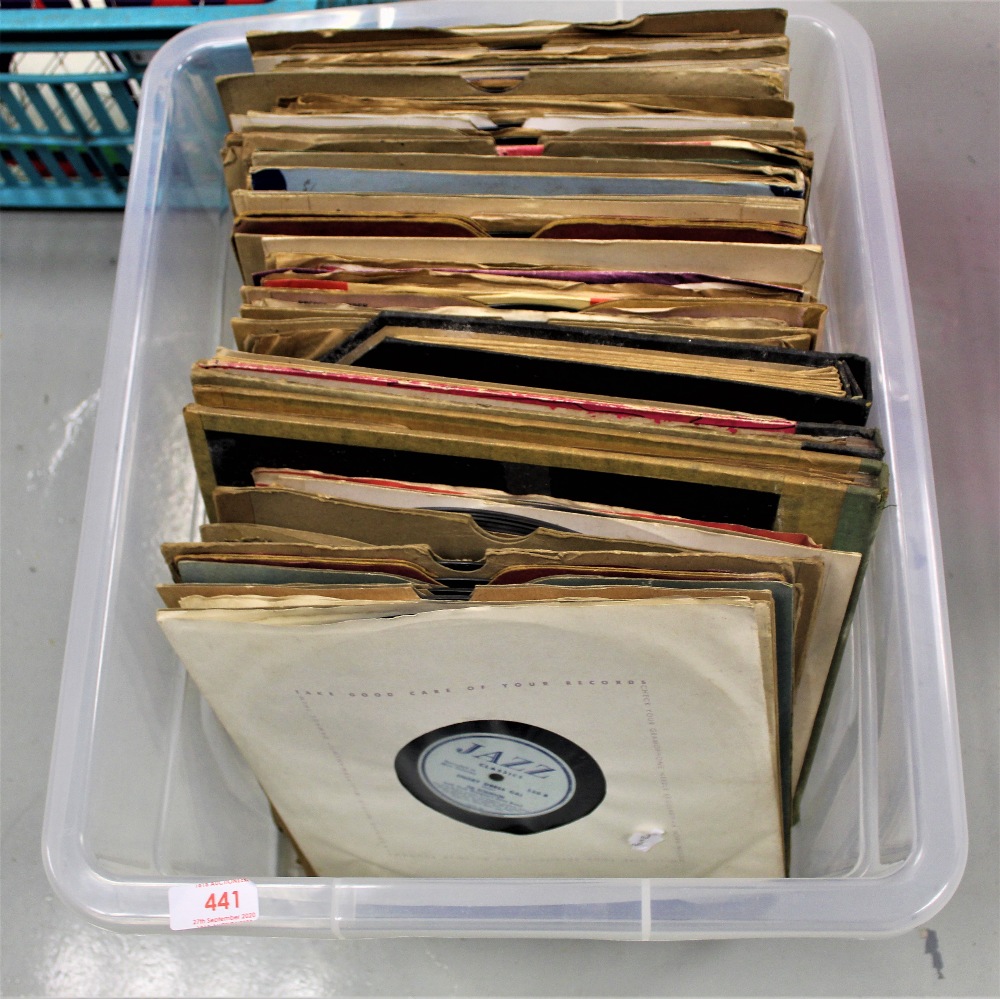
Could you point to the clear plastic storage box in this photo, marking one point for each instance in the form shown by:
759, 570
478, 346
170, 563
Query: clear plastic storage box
147, 792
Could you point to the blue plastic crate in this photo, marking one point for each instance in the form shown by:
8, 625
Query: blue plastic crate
69, 92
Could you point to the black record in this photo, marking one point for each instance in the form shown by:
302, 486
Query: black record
504, 776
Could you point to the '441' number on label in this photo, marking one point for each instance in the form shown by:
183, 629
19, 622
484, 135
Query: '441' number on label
222, 902
217, 903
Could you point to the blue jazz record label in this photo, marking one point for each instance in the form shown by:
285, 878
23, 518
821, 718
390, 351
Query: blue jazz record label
505, 776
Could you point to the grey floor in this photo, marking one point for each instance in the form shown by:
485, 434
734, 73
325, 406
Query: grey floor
940, 78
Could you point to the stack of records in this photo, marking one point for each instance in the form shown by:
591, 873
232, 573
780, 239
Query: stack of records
538, 506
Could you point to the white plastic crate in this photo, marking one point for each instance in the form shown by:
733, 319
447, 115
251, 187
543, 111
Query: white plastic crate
147, 792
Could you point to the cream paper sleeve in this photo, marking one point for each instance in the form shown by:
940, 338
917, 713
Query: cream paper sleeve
668, 697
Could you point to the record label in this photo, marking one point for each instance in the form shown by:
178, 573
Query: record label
504, 776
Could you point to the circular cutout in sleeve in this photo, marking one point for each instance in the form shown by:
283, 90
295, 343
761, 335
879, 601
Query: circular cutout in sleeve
505, 776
